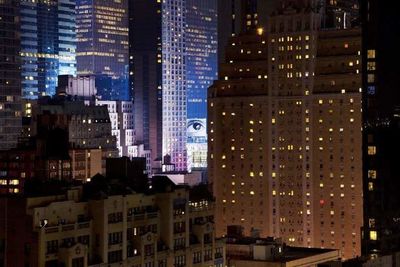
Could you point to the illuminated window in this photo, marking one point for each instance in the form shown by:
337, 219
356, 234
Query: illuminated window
373, 235
371, 150
371, 222
371, 186
372, 174
371, 78
371, 66
371, 53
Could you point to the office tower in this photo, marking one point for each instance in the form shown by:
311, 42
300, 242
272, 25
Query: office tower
102, 45
163, 43
201, 71
174, 83
48, 45
76, 227
284, 133
381, 102
10, 75
145, 69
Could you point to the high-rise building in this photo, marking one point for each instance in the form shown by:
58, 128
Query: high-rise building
48, 45
381, 129
102, 45
10, 75
284, 133
174, 83
145, 69
201, 71
172, 63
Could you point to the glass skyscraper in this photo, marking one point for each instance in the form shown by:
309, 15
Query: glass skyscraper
102, 49
201, 71
48, 45
10, 75
173, 61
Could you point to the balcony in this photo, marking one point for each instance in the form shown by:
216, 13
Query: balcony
143, 216
66, 227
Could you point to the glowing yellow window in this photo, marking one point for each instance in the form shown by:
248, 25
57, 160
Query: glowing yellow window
373, 235
371, 53
371, 150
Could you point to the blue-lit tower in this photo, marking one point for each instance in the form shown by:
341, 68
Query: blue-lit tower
102, 45
48, 45
173, 60
201, 71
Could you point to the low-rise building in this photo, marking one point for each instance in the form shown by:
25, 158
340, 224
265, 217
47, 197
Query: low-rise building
166, 227
269, 252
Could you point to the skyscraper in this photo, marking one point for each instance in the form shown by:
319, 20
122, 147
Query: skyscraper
48, 45
145, 73
201, 71
174, 82
172, 63
102, 48
284, 132
10, 75
381, 129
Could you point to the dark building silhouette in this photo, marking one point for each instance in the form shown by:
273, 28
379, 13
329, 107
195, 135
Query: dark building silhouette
131, 171
381, 131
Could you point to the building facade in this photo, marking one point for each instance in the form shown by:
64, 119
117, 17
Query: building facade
163, 228
122, 125
172, 62
381, 129
10, 75
48, 45
145, 68
201, 71
284, 133
102, 45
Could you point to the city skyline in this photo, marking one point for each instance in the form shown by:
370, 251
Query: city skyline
199, 133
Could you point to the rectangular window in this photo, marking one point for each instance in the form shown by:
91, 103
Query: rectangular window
371, 53
371, 150
371, 78
372, 174
371, 66
373, 235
